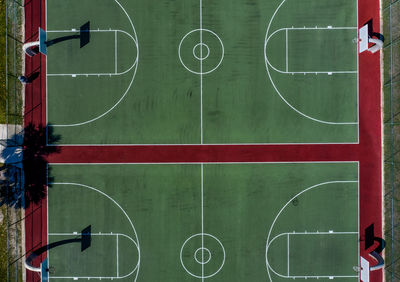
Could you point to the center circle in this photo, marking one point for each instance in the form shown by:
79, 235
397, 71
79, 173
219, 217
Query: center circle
202, 255
201, 51
197, 249
197, 46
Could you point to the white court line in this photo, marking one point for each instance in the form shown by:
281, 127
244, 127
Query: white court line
116, 235
358, 210
94, 30
47, 204
202, 220
255, 143
273, 84
201, 81
137, 267
223, 163
195, 144
286, 29
201, 136
358, 83
287, 234
117, 257
287, 48
123, 96
103, 114
288, 254
115, 31
211, 163
116, 51
277, 216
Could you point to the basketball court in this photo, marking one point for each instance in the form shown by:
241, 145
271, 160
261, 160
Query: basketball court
272, 72
191, 222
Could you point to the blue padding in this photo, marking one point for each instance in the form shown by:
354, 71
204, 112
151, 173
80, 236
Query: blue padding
42, 41
44, 270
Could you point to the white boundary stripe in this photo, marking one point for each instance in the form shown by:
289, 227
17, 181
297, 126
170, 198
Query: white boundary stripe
197, 144
137, 267
358, 209
201, 82
201, 137
358, 82
47, 201
202, 221
277, 216
210, 163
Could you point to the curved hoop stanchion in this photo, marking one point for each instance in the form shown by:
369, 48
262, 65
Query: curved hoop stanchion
28, 262
378, 45
27, 48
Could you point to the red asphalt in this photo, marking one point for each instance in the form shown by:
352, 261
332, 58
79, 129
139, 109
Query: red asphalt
368, 152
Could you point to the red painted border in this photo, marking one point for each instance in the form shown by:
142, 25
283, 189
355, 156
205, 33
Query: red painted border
35, 113
368, 152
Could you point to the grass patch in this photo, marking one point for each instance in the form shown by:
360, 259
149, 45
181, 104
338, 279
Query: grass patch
11, 59
2, 60
391, 93
3, 245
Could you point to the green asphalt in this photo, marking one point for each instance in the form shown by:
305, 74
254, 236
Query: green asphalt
154, 99
158, 207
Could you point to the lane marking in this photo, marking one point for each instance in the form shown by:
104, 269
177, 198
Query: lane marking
287, 48
116, 55
117, 256
268, 242
137, 267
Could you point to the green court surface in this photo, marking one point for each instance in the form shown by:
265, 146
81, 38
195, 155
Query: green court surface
203, 72
197, 222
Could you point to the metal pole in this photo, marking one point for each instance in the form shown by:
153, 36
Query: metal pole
16, 250
6, 37
19, 4
8, 239
392, 134
388, 6
15, 72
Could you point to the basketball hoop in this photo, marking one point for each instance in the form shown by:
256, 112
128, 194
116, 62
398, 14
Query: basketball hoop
365, 39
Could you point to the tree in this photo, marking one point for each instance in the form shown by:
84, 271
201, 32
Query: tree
24, 176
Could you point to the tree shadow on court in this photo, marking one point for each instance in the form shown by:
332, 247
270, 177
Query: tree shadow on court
24, 175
